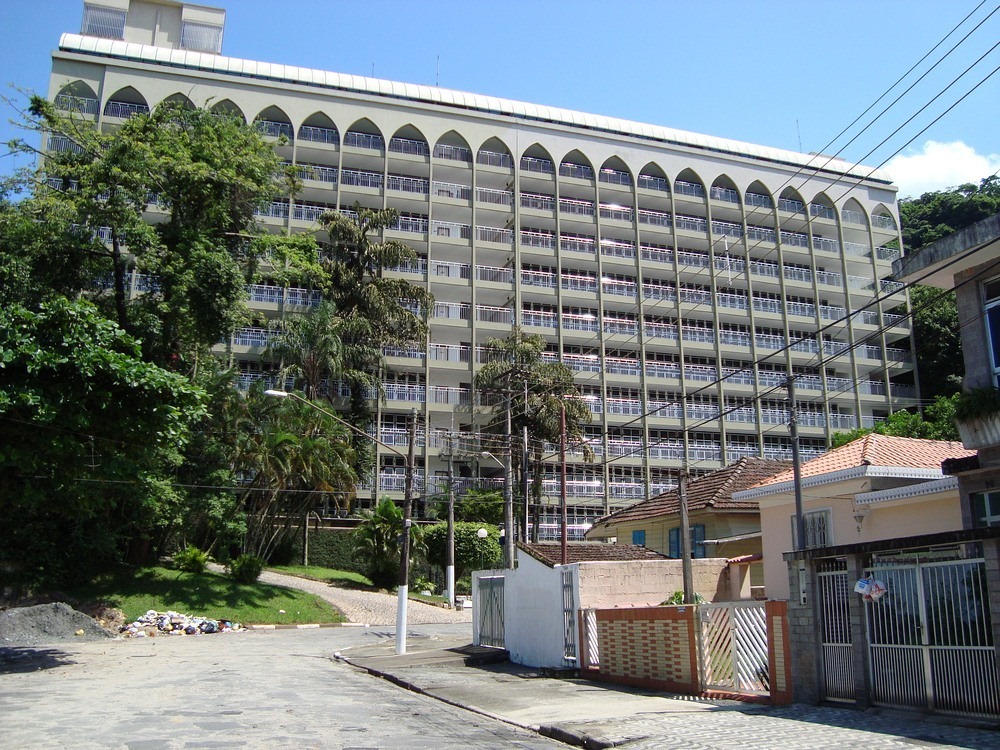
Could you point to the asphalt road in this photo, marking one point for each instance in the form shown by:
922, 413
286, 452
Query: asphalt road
260, 689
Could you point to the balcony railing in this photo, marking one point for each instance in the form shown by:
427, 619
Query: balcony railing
452, 190
541, 166
724, 194
316, 134
364, 140
409, 146
77, 104
579, 171
577, 207
693, 189
361, 178
649, 182
126, 109
615, 177
272, 128
496, 197
404, 184
494, 159
454, 153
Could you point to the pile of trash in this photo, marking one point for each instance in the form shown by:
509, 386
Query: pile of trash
173, 623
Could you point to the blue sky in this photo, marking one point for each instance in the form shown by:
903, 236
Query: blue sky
778, 73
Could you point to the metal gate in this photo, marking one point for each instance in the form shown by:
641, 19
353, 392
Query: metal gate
835, 624
734, 646
569, 618
930, 639
491, 632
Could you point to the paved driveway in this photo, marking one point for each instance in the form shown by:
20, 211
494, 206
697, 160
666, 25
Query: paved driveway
369, 607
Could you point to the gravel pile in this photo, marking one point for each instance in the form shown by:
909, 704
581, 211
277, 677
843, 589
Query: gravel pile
48, 623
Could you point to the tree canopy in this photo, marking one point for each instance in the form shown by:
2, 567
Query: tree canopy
89, 434
935, 322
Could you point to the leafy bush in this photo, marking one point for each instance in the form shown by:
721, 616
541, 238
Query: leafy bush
977, 403
678, 598
419, 583
246, 568
471, 552
191, 560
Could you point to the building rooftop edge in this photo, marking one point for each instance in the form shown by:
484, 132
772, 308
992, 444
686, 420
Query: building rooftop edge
460, 99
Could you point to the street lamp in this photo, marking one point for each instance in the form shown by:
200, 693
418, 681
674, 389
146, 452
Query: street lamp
404, 561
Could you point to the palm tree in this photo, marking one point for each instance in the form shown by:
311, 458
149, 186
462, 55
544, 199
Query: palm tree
377, 540
536, 392
291, 456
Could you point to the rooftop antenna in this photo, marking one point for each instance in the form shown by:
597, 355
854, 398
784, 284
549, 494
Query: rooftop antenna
437, 72
799, 133
373, 69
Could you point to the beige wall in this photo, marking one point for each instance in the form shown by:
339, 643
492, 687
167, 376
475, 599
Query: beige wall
648, 582
884, 520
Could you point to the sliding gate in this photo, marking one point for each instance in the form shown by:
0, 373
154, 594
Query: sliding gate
930, 638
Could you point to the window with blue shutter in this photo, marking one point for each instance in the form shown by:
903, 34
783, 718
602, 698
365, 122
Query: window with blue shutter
697, 541
639, 537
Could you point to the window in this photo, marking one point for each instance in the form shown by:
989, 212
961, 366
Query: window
985, 508
818, 528
991, 304
697, 541
201, 37
639, 537
104, 22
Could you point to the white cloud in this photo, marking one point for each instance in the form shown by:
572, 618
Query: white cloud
938, 166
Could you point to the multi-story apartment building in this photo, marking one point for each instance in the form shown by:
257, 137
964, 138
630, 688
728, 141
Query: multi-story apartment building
680, 276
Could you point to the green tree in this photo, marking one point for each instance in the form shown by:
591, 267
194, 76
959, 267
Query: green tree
471, 552
204, 174
89, 437
291, 456
937, 423
514, 366
935, 322
377, 542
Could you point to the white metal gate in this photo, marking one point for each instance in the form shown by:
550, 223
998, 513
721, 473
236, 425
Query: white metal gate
734, 646
835, 629
491, 615
930, 639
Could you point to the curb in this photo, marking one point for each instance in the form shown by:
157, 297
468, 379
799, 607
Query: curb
309, 626
406, 685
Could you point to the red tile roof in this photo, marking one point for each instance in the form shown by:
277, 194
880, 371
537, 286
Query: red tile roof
879, 450
713, 490
550, 553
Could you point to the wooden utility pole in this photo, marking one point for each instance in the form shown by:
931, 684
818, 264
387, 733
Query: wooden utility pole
687, 575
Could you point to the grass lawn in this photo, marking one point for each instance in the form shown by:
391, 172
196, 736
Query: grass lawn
346, 578
205, 595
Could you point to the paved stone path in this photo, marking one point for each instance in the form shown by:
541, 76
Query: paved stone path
369, 607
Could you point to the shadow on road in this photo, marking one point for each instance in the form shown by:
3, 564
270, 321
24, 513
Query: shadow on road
15, 659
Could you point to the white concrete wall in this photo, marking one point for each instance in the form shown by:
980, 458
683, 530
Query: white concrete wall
533, 613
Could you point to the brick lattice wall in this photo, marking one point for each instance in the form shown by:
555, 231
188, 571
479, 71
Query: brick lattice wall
653, 647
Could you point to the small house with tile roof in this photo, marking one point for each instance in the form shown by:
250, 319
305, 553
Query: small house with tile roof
874, 488
721, 526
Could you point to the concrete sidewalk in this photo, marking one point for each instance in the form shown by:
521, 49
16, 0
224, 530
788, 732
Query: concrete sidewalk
595, 715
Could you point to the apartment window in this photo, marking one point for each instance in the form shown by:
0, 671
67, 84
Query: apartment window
991, 296
201, 37
818, 528
104, 22
697, 541
985, 508
639, 537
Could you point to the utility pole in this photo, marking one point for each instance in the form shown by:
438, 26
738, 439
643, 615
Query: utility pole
687, 576
525, 480
508, 494
404, 550
793, 431
449, 570
562, 488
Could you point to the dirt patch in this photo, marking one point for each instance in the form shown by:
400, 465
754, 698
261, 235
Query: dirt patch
48, 623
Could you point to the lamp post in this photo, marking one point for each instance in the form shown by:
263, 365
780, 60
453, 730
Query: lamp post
404, 562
